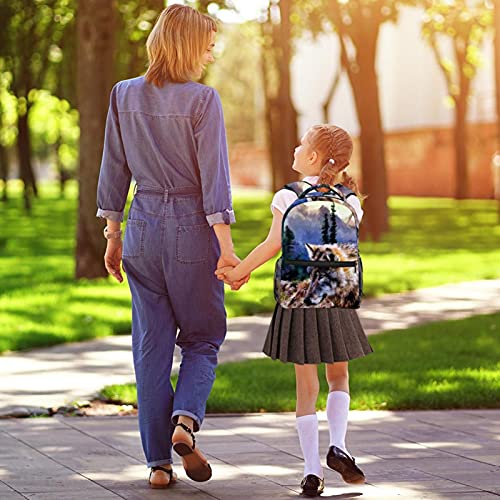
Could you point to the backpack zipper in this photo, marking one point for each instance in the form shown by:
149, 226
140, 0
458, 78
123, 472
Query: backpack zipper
322, 263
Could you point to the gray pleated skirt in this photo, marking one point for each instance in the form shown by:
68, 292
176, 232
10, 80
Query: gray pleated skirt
313, 336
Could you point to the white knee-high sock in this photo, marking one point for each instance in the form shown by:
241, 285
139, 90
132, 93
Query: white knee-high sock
307, 428
337, 413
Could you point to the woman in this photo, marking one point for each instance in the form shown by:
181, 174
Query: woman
167, 131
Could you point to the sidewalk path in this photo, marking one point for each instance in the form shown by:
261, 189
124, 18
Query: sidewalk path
405, 455
58, 375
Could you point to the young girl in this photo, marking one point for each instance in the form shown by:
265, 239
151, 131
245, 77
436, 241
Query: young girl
308, 336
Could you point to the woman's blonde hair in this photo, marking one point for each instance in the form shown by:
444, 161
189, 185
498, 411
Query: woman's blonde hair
177, 43
334, 147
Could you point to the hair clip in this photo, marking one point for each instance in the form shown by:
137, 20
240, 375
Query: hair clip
332, 161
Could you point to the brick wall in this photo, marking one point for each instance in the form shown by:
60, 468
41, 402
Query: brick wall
419, 162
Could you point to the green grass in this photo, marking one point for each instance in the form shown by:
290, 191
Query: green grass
447, 364
432, 242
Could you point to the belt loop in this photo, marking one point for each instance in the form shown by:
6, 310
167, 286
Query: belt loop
165, 195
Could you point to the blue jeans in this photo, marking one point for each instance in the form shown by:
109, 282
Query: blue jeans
170, 254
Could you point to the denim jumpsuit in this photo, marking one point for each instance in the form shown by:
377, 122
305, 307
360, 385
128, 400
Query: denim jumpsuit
172, 141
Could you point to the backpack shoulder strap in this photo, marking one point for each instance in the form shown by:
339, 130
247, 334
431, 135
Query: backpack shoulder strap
297, 187
345, 190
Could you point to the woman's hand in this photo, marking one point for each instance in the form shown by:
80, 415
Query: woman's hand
226, 262
113, 258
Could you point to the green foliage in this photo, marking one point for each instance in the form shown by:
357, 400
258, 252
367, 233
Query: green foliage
433, 241
353, 17
33, 32
8, 110
448, 364
464, 24
53, 124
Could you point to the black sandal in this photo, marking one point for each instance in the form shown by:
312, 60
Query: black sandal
162, 486
195, 463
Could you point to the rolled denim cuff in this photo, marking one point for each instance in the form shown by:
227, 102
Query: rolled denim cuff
225, 217
165, 461
110, 214
186, 413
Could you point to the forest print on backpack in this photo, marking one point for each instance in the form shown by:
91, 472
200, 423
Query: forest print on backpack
320, 266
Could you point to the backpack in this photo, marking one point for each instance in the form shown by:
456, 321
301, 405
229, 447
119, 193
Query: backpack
320, 265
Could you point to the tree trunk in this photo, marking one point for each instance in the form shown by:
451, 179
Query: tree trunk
460, 140
4, 171
363, 78
62, 173
496, 30
286, 119
269, 112
281, 116
24, 155
460, 132
96, 33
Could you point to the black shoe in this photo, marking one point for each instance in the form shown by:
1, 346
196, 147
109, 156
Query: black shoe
346, 466
312, 486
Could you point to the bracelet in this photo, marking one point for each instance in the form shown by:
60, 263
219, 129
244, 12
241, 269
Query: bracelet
111, 236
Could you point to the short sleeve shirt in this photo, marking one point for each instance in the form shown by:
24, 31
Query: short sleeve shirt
284, 198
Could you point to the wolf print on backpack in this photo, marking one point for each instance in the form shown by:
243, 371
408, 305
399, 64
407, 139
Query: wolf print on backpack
320, 265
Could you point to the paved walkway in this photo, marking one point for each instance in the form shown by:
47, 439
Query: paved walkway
58, 375
405, 455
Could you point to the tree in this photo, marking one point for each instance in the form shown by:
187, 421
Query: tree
357, 24
333, 226
96, 23
280, 113
496, 29
288, 241
325, 229
30, 51
464, 24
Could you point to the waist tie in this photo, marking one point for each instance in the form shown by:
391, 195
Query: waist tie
167, 192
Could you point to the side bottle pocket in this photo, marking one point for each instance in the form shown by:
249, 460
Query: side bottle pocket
277, 280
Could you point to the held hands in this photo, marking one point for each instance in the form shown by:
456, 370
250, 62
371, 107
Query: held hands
113, 258
225, 271
225, 265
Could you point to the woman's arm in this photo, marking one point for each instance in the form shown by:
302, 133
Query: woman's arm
213, 162
227, 256
113, 255
114, 175
260, 254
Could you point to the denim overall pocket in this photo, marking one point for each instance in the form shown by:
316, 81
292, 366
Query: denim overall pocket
133, 244
193, 243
